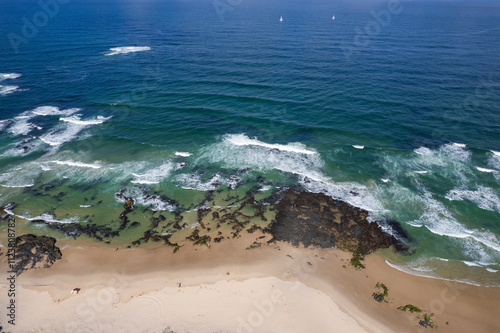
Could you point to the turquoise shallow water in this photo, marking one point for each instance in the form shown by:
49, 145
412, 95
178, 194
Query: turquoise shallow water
405, 123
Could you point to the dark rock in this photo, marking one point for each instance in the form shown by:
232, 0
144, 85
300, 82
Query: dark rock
35, 252
319, 220
74, 230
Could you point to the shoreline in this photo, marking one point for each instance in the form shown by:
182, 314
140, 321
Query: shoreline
306, 288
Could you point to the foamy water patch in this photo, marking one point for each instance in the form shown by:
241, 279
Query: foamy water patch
240, 152
48, 218
154, 175
69, 130
447, 152
183, 154
485, 170
4, 124
484, 197
438, 220
194, 182
61, 135
21, 125
127, 49
6, 90
432, 275
76, 119
94, 165
140, 197
9, 76
21, 176
53, 111
357, 195
243, 140
23, 147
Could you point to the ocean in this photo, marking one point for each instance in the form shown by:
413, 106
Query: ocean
390, 106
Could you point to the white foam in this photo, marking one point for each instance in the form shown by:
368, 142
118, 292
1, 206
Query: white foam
18, 186
460, 145
440, 221
455, 151
53, 111
155, 175
9, 76
421, 172
243, 140
484, 170
78, 164
69, 129
46, 217
18, 148
52, 219
265, 188
496, 153
183, 154
358, 147
471, 264
127, 49
3, 124
385, 180
411, 271
491, 270
483, 197
424, 151
447, 152
85, 206
61, 135
5, 90
155, 203
21, 126
75, 119
194, 182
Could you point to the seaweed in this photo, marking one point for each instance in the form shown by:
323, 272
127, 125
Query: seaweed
356, 259
410, 308
380, 296
427, 321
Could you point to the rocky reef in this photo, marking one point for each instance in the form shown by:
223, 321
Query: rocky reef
35, 252
315, 219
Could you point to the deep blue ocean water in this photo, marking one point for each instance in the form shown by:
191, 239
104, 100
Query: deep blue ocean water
391, 106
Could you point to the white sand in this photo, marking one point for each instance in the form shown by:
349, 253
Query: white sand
254, 305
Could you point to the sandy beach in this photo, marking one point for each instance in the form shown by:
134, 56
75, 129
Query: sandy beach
227, 288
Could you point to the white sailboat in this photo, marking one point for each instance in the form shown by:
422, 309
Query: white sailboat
281, 18
333, 17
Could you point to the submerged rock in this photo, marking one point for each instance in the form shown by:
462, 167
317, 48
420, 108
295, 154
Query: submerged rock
35, 252
319, 220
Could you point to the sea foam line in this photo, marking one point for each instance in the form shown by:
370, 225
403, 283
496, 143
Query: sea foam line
127, 49
243, 140
46, 217
77, 164
77, 120
9, 76
411, 271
